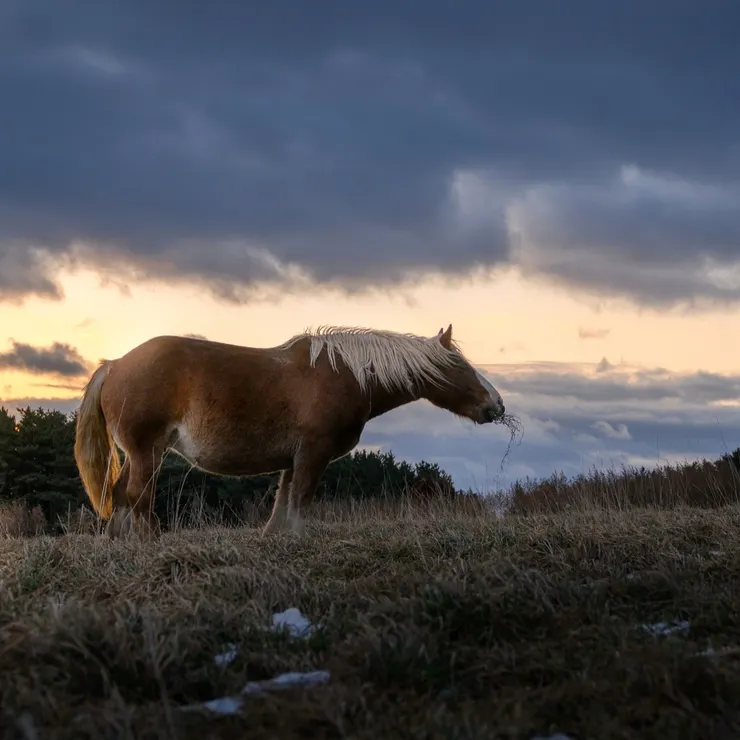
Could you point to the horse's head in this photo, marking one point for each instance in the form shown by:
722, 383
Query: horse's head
466, 392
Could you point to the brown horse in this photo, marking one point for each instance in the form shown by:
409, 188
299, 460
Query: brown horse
234, 410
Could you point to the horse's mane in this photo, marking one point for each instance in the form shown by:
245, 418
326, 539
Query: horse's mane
397, 361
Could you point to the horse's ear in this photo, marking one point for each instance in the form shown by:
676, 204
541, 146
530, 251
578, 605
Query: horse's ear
445, 338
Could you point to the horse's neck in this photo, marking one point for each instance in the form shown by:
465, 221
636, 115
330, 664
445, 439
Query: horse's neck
382, 401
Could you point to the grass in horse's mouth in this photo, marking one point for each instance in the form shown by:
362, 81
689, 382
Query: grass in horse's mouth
514, 425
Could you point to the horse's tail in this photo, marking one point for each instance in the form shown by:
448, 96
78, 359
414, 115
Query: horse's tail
95, 452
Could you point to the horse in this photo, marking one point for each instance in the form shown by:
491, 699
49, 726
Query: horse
238, 410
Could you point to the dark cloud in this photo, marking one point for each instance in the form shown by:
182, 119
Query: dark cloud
612, 385
585, 333
619, 431
58, 359
24, 271
655, 236
360, 146
60, 386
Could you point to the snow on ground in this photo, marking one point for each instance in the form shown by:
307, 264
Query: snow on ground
663, 628
228, 657
292, 620
233, 704
296, 625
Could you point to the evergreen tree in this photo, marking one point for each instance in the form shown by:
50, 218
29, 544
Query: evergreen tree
7, 447
38, 461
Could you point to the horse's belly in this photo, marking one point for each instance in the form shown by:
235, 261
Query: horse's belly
245, 465
232, 457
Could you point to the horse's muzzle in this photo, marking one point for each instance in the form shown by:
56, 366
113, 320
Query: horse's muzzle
491, 413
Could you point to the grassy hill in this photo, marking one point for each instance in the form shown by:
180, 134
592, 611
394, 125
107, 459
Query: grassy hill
434, 620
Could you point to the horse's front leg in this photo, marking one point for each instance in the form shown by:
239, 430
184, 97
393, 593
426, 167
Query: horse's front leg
308, 467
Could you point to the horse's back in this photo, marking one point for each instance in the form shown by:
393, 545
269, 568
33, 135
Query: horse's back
169, 376
206, 388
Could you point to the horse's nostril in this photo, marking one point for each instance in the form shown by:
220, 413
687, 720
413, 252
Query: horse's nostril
491, 412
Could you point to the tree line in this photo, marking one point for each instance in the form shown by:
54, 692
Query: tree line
37, 469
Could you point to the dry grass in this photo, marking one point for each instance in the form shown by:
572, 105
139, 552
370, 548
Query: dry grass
705, 484
439, 622
17, 520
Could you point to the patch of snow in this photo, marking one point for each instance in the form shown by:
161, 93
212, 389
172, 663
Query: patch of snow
716, 553
286, 680
710, 652
227, 657
225, 705
26, 727
297, 626
233, 704
663, 628
292, 620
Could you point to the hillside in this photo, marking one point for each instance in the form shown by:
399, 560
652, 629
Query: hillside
437, 621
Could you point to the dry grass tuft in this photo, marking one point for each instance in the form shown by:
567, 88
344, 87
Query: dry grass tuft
441, 620
17, 520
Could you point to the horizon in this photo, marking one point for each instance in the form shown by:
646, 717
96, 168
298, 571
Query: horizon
560, 190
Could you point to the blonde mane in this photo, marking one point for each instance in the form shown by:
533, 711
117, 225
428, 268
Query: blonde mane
397, 361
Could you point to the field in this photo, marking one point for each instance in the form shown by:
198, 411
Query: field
435, 621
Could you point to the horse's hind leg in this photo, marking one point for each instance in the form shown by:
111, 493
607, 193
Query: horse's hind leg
120, 518
279, 517
140, 491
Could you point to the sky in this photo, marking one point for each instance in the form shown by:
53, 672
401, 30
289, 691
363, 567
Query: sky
560, 182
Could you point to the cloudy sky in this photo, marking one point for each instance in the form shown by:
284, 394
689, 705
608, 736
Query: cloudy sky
558, 181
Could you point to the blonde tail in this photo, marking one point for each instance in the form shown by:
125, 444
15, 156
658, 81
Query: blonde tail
95, 452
